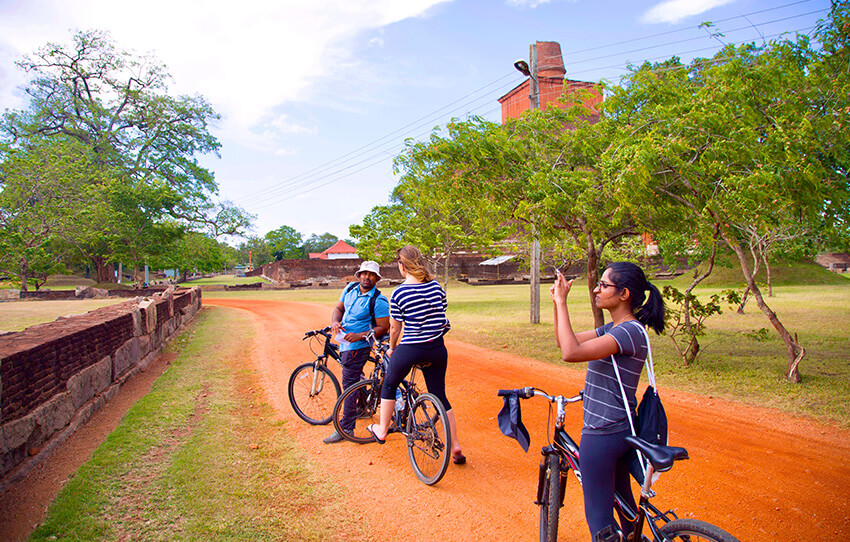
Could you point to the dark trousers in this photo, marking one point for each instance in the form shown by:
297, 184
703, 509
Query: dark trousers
434, 357
352, 371
604, 467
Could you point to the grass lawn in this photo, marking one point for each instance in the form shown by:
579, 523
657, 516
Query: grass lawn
201, 457
227, 280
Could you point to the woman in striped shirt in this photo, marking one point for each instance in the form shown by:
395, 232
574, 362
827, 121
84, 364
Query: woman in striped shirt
604, 452
418, 306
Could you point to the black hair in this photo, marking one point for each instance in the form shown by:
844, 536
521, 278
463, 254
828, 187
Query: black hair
649, 313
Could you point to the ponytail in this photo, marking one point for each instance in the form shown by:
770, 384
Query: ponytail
630, 276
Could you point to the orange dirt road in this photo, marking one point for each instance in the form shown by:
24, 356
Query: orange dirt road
754, 472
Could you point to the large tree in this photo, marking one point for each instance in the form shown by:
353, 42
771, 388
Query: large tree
734, 143
285, 243
141, 142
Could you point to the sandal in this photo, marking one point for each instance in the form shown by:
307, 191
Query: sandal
378, 440
458, 459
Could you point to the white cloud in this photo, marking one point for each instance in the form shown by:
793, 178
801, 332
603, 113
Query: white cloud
527, 3
247, 58
673, 11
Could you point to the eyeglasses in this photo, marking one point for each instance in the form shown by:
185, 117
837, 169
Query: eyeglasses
603, 284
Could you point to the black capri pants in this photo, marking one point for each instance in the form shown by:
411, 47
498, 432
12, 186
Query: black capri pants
405, 356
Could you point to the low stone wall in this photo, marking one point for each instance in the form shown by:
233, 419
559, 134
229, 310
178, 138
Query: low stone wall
54, 376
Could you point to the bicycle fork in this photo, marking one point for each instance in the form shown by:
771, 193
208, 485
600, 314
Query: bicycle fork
318, 380
541, 476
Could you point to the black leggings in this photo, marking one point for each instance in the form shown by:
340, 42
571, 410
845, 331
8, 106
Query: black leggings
604, 467
405, 356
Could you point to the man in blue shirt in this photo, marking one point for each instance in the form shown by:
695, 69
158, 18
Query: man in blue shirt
351, 321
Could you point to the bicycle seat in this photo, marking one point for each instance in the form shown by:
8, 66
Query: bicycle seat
661, 457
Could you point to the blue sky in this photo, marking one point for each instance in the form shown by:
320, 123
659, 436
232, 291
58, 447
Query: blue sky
318, 96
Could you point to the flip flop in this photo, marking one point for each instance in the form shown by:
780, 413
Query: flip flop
458, 459
378, 440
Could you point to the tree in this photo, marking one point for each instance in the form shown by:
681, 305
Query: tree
140, 141
192, 252
733, 142
318, 243
285, 243
42, 188
384, 230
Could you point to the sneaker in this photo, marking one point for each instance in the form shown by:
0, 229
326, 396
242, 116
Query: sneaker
335, 437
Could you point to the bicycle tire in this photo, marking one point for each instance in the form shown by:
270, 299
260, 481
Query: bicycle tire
429, 441
313, 408
694, 530
369, 411
550, 505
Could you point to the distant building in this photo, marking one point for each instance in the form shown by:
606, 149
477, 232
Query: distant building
339, 251
551, 84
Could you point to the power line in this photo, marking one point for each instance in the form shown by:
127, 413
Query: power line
376, 151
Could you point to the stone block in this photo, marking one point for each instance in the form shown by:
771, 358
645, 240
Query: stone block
127, 356
138, 322
149, 307
144, 345
52, 416
7, 294
90, 381
16, 433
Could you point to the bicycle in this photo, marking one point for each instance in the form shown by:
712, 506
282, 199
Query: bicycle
562, 455
311, 399
422, 419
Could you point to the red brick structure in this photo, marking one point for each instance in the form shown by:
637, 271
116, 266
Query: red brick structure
54, 376
551, 84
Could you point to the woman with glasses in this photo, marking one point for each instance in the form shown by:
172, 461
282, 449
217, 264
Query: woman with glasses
632, 303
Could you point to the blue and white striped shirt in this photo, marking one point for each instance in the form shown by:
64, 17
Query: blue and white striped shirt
422, 309
603, 402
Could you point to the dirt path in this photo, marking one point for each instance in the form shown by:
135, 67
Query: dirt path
752, 471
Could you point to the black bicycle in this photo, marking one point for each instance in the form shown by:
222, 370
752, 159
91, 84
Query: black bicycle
562, 455
420, 417
313, 388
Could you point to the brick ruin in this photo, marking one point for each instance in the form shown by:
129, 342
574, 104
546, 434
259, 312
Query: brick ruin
54, 376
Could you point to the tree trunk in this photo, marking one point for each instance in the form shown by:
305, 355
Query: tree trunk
103, 270
769, 282
23, 274
592, 274
693, 348
447, 256
794, 348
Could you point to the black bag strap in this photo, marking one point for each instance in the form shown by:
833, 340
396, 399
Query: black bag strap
372, 300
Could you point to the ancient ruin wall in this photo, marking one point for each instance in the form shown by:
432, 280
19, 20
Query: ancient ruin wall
54, 376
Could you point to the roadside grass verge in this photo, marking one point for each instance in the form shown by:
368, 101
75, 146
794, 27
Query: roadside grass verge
201, 457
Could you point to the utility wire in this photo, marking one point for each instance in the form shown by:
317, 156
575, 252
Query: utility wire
305, 182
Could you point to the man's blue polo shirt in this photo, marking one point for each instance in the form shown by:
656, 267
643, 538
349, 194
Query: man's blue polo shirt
357, 318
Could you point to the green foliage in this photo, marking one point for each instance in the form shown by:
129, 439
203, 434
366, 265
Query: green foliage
685, 317
115, 150
285, 243
318, 243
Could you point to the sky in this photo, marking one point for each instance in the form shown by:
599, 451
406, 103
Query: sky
317, 97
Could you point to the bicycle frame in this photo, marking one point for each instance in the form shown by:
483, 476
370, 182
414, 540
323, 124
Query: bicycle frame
567, 450
330, 350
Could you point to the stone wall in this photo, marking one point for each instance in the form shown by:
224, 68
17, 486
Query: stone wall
461, 266
54, 376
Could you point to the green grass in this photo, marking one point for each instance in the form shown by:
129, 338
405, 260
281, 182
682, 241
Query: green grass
201, 457
19, 315
227, 280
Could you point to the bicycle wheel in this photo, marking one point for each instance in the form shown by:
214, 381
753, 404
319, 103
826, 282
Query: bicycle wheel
694, 530
428, 439
550, 504
313, 390
368, 397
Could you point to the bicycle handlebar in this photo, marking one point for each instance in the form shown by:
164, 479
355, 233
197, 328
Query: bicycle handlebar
529, 392
323, 331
